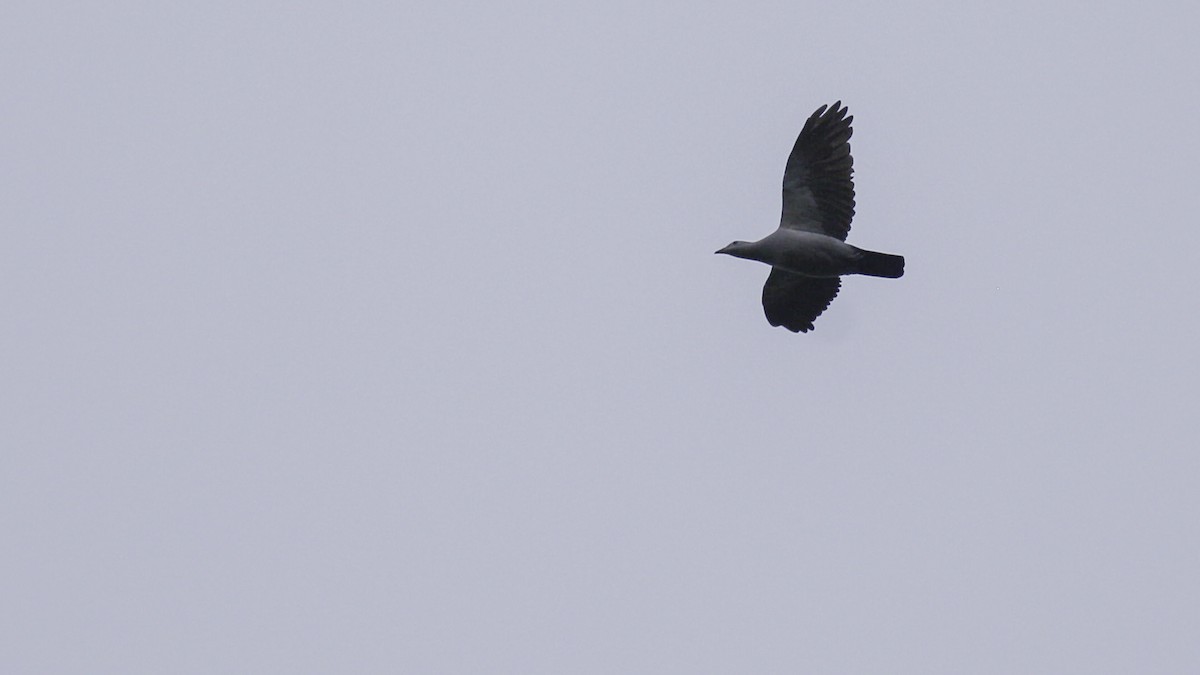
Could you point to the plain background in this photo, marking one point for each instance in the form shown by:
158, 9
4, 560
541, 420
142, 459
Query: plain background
381, 337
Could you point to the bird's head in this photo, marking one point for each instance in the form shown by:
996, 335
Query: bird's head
737, 248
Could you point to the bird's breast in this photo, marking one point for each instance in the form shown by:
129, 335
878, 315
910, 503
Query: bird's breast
813, 255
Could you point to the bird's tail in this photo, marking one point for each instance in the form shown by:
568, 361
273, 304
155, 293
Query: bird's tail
881, 264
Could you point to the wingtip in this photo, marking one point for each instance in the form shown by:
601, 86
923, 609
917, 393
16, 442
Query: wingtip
828, 113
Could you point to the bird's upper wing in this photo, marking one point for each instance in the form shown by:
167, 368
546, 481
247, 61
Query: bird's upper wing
794, 301
818, 191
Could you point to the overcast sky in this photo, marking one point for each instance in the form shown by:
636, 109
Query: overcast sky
383, 337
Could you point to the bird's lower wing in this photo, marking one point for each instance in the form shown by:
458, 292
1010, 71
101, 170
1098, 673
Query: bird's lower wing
795, 301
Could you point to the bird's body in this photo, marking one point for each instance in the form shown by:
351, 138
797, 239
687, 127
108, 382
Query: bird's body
808, 253
805, 253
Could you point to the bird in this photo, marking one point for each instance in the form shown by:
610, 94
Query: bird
808, 253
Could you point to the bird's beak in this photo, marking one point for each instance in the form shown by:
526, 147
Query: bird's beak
724, 249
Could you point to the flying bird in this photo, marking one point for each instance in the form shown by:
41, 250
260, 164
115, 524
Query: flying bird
808, 253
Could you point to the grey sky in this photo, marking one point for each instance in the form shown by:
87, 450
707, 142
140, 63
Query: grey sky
388, 338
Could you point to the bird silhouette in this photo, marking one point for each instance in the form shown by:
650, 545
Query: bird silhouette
808, 253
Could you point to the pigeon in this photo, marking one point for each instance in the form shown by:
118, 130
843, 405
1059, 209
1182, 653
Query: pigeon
808, 254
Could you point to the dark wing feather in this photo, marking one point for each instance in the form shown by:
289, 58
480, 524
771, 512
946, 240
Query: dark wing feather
794, 301
818, 190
